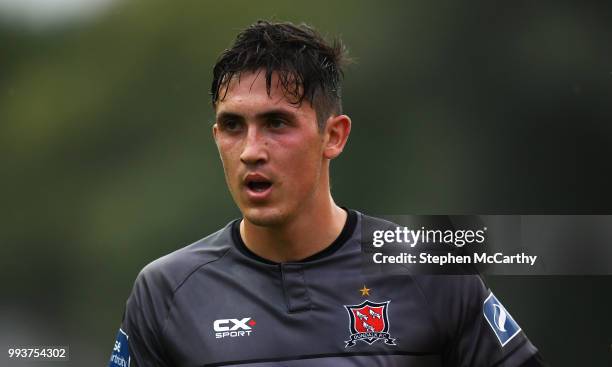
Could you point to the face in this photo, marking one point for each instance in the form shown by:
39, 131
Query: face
272, 151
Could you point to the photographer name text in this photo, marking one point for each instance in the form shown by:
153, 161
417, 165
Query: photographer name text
448, 258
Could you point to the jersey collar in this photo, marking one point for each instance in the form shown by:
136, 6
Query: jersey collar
345, 234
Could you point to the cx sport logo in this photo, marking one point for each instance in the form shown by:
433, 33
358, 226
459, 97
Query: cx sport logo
233, 327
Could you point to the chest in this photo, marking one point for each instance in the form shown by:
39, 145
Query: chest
297, 315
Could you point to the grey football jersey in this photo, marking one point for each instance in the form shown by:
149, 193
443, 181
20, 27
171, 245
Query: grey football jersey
215, 303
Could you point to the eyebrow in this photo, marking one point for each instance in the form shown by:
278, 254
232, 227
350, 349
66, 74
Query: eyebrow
228, 116
277, 112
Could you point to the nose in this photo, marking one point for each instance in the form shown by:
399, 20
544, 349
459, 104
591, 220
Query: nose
254, 150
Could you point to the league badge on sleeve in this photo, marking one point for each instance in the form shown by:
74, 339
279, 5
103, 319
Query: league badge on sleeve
503, 325
368, 323
121, 351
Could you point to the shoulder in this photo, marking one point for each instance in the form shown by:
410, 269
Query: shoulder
372, 222
458, 290
169, 272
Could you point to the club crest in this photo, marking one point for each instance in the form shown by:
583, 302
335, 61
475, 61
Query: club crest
368, 323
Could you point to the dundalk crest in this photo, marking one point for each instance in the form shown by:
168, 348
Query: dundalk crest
369, 323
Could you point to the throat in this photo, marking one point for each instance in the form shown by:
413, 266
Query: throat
294, 242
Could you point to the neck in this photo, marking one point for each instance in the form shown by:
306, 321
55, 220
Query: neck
310, 232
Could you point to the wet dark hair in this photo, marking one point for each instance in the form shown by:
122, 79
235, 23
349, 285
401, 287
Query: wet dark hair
308, 67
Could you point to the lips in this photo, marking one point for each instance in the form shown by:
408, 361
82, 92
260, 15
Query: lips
258, 186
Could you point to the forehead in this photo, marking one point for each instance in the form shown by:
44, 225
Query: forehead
247, 92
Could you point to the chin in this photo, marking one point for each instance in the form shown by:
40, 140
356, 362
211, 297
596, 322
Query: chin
264, 217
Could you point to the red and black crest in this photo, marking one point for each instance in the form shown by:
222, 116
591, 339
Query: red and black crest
369, 322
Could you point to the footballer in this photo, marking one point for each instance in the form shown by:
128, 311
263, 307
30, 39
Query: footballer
284, 285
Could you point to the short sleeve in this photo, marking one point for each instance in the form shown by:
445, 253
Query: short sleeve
139, 342
476, 329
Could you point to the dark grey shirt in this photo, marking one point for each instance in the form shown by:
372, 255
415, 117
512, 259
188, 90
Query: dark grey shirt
215, 303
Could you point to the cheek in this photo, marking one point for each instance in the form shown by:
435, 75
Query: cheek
228, 156
301, 164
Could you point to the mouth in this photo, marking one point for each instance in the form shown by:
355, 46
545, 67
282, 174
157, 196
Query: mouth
258, 187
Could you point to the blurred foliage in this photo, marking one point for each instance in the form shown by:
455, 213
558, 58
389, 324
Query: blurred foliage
108, 161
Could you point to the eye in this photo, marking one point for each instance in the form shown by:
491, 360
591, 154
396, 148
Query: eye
230, 125
277, 123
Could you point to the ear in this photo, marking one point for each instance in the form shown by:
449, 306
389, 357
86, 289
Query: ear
215, 131
337, 130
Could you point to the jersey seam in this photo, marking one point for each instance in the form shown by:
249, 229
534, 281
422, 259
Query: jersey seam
511, 353
303, 274
429, 309
170, 307
162, 345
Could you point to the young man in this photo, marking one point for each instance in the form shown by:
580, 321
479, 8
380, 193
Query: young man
285, 285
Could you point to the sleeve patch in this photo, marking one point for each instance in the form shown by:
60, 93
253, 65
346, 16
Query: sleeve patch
121, 351
500, 321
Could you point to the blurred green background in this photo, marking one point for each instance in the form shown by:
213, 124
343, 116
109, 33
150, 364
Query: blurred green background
108, 163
